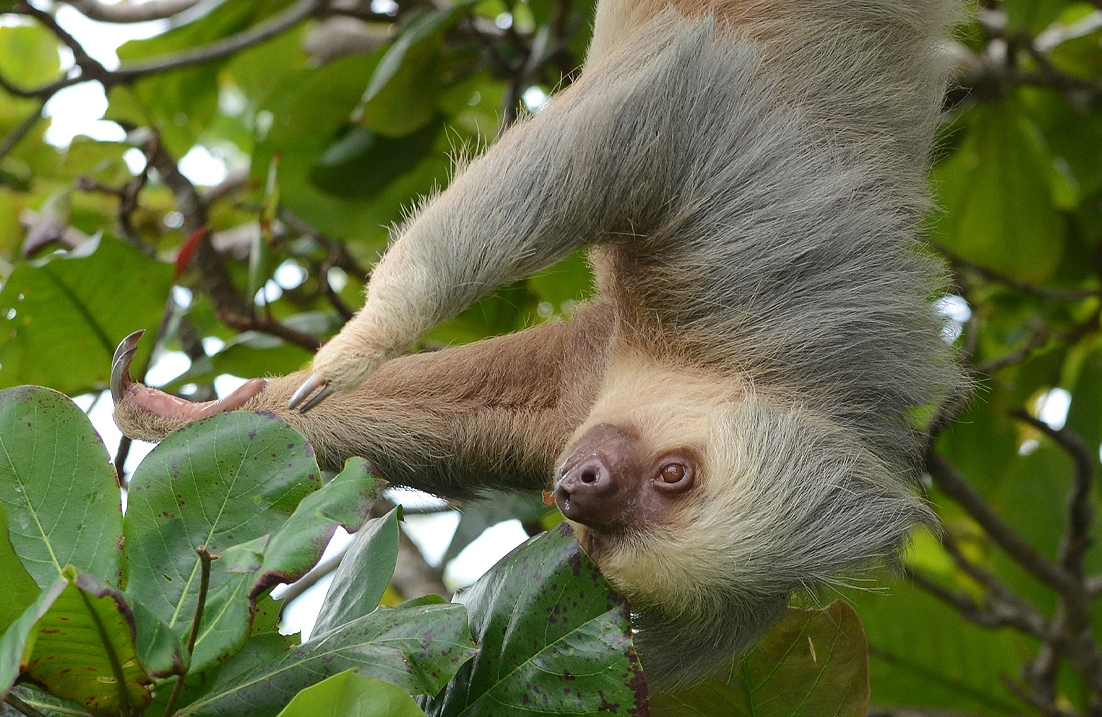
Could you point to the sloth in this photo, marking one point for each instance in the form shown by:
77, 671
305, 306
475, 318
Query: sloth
735, 418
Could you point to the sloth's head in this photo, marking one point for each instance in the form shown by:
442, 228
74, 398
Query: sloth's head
706, 503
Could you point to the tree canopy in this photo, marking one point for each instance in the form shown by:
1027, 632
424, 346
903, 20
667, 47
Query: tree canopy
332, 117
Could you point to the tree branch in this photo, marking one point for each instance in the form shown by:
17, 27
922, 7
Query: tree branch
222, 48
20, 131
947, 478
124, 13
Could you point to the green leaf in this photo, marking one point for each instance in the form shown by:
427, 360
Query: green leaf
352, 695
363, 575
20, 589
416, 647
78, 304
814, 663
29, 55
421, 34
553, 638
346, 501
78, 642
1086, 403
20, 636
1032, 15
340, 169
162, 652
216, 483
58, 486
314, 110
181, 103
995, 188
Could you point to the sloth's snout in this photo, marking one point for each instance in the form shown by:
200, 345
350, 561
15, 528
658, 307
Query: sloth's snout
586, 492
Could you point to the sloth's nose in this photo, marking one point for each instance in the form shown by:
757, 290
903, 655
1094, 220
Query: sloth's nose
582, 489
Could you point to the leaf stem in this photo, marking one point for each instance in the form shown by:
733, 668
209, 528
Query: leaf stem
200, 603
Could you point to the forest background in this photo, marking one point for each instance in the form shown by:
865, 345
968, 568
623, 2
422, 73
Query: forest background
254, 152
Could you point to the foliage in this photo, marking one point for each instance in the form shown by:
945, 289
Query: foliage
327, 144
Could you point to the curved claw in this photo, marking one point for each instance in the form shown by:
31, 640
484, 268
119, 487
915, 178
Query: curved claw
308, 387
120, 365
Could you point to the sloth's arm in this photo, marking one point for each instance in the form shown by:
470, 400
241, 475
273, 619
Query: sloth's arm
493, 414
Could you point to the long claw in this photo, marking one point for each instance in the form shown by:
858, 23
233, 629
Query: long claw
120, 365
313, 402
308, 387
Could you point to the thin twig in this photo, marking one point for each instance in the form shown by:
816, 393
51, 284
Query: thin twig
952, 483
200, 603
222, 48
125, 13
20, 131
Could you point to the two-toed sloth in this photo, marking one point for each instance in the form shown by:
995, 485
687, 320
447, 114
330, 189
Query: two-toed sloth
734, 418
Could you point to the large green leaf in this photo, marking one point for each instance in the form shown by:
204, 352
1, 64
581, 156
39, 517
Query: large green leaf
352, 695
28, 55
553, 638
363, 575
19, 637
84, 649
20, 589
317, 140
923, 654
815, 663
58, 486
216, 483
998, 199
79, 304
78, 641
417, 647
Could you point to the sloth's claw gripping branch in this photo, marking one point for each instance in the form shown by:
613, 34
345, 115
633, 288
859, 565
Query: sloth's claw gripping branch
315, 382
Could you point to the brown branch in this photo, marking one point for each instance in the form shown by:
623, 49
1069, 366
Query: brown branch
1046, 708
1019, 286
1076, 538
213, 276
247, 322
20, 130
222, 48
992, 616
90, 68
130, 12
950, 481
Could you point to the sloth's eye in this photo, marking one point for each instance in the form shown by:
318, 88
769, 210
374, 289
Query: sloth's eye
673, 473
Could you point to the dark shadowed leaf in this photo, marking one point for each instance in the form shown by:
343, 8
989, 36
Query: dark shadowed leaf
417, 647
352, 695
161, 650
814, 663
363, 575
77, 305
553, 638
58, 486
